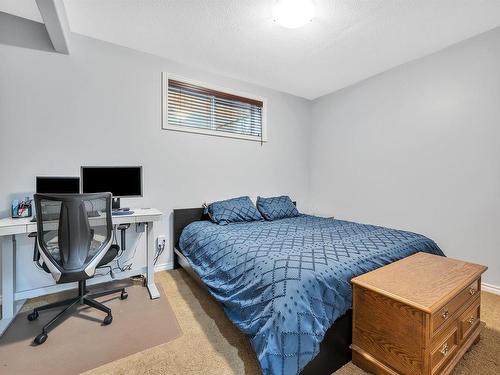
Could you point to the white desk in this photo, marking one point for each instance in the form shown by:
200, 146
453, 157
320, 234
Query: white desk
12, 300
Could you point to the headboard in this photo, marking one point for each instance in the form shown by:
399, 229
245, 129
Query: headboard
183, 217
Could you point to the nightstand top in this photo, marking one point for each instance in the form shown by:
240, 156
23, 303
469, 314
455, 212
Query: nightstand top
421, 280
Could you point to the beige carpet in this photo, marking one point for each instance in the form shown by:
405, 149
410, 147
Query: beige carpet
80, 342
210, 344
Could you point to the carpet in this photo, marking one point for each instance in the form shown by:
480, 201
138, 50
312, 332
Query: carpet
211, 345
81, 342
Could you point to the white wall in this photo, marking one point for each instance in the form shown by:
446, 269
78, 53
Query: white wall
418, 148
101, 105
415, 148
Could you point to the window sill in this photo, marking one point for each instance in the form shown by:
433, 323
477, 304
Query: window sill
214, 133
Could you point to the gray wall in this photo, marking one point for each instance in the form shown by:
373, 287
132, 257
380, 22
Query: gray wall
101, 105
418, 148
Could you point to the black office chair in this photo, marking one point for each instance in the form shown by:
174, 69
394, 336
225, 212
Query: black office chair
72, 246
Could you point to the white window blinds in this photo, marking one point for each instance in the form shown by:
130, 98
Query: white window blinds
203, 110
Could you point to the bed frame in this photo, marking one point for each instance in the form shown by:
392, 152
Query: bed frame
334, 349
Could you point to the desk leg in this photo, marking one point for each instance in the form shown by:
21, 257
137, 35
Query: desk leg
150, 273
9, 306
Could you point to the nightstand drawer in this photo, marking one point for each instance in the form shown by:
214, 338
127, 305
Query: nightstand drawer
463, 298
469, 320
444, 349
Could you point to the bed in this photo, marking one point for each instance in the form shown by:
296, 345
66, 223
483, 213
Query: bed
286, 283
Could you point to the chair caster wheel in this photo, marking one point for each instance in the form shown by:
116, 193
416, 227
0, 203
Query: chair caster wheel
107, 320
40, 339
124, 295
33, 316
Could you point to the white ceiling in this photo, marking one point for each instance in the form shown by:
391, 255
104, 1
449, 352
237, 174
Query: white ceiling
348, 41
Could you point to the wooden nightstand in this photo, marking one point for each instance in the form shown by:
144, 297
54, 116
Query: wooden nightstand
418, 315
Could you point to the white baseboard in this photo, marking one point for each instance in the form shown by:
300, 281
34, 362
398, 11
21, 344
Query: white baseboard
164, 266
495, 289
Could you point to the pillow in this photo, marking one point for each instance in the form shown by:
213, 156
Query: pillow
233, 211
277, 207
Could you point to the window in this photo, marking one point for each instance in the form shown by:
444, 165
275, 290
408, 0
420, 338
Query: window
195, 108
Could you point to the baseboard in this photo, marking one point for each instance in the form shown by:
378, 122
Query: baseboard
164, 266
490, 288
495, 289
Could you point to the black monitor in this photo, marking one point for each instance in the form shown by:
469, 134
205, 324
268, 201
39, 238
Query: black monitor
122, 182
57, 185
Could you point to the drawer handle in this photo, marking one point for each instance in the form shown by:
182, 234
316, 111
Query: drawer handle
471, 320
445, 314
472, 290
445, 350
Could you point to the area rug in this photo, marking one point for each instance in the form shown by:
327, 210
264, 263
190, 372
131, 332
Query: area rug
81, 342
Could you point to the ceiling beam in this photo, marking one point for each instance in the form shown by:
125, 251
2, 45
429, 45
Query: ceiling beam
54, 16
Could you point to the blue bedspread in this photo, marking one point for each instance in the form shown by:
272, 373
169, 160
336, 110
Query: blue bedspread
285, 282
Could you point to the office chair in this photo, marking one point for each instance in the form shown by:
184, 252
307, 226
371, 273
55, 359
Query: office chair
72, 246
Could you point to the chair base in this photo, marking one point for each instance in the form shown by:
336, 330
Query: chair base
84, 298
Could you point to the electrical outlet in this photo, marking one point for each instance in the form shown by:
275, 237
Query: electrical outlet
161, 242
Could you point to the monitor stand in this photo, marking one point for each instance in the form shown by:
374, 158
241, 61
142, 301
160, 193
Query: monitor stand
115, 205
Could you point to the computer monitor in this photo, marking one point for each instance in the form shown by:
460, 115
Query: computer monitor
122, 182
57, 185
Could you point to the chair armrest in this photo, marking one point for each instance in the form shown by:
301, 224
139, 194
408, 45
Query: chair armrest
36, 252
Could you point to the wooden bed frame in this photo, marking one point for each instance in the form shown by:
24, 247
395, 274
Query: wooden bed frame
334, 349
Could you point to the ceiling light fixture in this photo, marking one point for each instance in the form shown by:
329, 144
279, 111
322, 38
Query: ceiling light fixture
293, 13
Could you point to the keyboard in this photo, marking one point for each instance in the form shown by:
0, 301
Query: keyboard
122, 213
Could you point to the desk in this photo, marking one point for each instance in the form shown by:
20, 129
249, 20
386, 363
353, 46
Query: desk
12, 301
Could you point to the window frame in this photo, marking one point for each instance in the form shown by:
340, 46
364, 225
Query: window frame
166, 126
